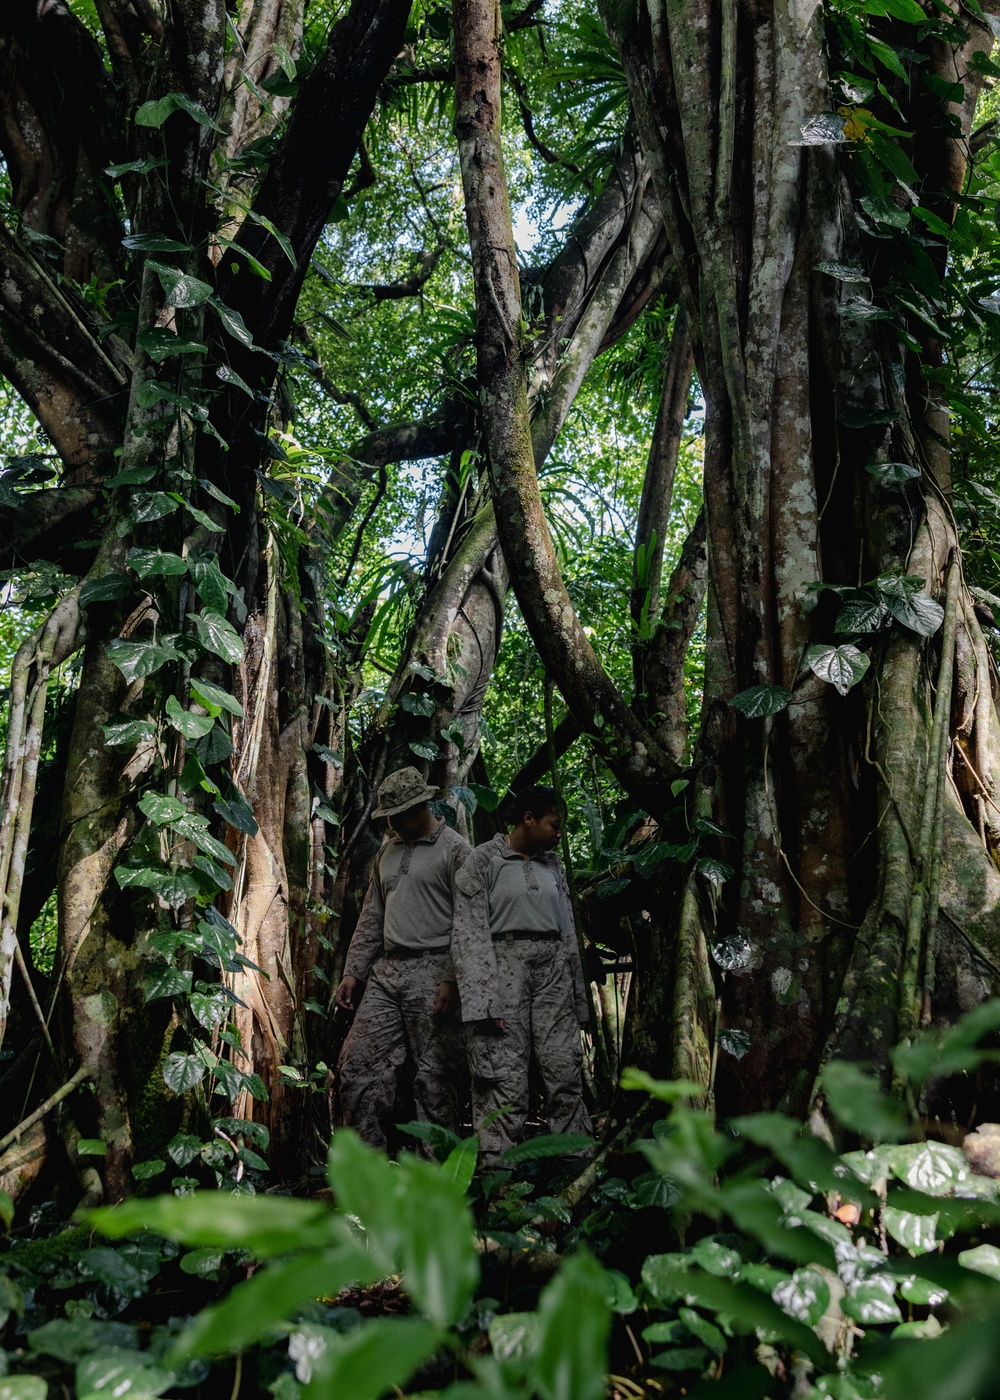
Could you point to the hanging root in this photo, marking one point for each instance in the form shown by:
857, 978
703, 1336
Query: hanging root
48, 648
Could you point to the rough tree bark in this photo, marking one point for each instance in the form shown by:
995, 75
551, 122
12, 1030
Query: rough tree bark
96, 393
827, 932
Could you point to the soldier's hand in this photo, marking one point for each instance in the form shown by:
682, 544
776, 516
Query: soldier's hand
446, 1000
345, 993
492, 1025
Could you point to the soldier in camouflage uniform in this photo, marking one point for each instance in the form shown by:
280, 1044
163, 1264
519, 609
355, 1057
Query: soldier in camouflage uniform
520, 978
401, 950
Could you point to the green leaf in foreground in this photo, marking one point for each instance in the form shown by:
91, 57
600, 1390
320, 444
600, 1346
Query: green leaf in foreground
372, 1359
265, 1225
842, 666
275, 1294
548, 1145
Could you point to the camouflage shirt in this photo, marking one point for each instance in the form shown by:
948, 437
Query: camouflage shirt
411, 899
496, 890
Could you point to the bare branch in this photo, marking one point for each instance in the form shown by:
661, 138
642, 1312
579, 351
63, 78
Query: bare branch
411, 286
347, 397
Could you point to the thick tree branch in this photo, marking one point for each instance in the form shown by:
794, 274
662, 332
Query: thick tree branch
661, 700
49, 350
427, 261
48, 524
631, 751
57, 134
658, 483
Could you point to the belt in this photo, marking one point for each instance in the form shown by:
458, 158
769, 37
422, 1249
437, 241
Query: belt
414, 952
518, 935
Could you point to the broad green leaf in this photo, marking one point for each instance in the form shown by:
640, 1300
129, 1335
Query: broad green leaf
862, 611
514, 1337
984, 1259
842, 272
180, 288
215, 747
265, 1225
133, 476
424, 750
892, 473
570, 1359
232, 322
173, 887
124, 732
707, 1333
155, 112
954, 1052
182, 1072
204, 569
145, 1171
136, 167
275, 1294
917, 611
735, 1042
202, 1263
154, 243
229, 376
218, 636
183, 1148
417, 703
110, 1374
716, 1258
371, 1360
922, 1292
656, 1189
105, 589
23, 1388
92, 1147
69, 1339
857, 1101
666, 1090
733, 954
716, 872
917, 1233
931, 1167
872, 1302
211, 696
147, 506
155, 561
138, 659
821, 130
160, 808
192, 726
192, 828
761, 700
460, 1164
842, 666
161, 344
166, 981
437, 1246
236, 810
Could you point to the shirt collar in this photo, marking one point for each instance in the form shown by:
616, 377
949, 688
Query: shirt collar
428, 840
507, 853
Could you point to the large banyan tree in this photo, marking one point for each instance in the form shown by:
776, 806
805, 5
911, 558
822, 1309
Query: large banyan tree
790, 181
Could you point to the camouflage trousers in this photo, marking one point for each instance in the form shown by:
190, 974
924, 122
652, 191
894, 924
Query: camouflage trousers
537, 990
394, 1024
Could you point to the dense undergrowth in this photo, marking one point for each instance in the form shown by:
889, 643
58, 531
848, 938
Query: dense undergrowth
754, 1258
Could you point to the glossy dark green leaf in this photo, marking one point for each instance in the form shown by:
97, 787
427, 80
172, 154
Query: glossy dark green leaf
105, 589
138, 659
761, 700
218, 636
371, 1360
166, 981
857, 1101
124, 732
186, 722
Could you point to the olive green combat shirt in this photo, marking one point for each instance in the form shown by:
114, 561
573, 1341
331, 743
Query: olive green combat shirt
410, 902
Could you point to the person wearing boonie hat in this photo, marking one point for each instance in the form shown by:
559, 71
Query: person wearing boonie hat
401, 951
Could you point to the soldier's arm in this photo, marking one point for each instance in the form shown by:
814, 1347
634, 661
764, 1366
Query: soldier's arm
567, 931
459, 852
471, 945
366, 943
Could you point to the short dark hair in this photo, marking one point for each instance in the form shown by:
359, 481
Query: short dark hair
537, 800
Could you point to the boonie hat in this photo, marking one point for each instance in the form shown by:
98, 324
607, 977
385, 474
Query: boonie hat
401, 790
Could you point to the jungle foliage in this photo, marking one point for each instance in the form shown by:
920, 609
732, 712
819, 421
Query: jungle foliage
680, 487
